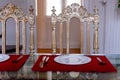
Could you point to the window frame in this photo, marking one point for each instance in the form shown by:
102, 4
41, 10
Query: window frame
63, 5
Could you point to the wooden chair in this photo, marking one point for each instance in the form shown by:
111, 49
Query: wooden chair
85, 18
12, 11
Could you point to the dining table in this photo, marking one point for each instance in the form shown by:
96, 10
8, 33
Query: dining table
48, 66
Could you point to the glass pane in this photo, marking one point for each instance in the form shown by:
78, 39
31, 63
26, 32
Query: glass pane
36, 9
50, 4
69, 2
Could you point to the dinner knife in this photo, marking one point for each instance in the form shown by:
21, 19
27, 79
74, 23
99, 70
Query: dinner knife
101, 62
18, 59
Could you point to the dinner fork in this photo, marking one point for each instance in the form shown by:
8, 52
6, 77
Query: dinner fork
44, 61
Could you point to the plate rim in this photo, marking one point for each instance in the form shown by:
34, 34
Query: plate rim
69, 55
4, 59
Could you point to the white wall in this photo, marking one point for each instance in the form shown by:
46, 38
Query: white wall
109, 29
112, 38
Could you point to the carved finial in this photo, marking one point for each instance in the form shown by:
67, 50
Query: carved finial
81, 3
10, 7
31, 9
53, 10
31, 16
96, 10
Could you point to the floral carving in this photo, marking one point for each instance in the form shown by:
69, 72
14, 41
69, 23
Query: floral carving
74, 10
80, 12
11, 10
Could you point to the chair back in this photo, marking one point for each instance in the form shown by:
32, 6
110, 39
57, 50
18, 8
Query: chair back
64, 21
12, 11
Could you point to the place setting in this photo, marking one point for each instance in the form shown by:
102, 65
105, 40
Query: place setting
73, 62
50, 61
12, 62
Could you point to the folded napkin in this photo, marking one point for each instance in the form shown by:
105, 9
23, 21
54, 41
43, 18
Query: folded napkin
10, 65
92, 66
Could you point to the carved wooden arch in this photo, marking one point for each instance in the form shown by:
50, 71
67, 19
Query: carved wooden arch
75, 10
12, 11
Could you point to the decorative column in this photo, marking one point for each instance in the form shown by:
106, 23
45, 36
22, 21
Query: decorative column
3, 37
68, 37
54, 17
24, 36
17, 37
88, 36
61, 37
31, 21
96, 22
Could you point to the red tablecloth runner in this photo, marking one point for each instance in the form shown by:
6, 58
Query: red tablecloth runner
92, 66
9, 65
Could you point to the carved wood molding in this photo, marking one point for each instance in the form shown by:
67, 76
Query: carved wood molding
49, 50
13, 11
80, 12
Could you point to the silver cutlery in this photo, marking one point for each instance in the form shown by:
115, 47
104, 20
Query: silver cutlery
44, 61
18, 59
101, 62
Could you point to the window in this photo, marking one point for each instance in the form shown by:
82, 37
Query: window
50, 4
36, 8
69, 2
59, 4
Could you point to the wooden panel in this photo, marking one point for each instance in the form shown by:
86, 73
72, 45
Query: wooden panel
49, 50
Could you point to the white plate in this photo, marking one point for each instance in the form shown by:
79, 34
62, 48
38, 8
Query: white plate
98, 54
4, 57
72, 59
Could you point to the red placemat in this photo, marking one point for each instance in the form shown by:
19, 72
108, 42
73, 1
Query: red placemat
9, 65
92, 66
